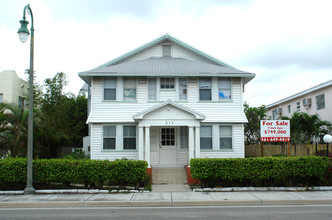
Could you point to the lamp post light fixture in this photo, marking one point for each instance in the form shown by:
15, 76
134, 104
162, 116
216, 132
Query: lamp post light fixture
23, 34
327, 139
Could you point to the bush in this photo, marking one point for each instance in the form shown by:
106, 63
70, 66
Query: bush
66, 171
263, 171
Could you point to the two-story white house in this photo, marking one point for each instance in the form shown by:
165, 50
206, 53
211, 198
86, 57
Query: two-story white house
166, 102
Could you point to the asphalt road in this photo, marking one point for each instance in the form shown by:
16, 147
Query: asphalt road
316, 212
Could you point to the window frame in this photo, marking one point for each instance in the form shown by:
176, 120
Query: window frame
289, 107
221, 89
109, 137
202, 147
182, 88
184, 137
226, 136
124, 137
110, 87
298, 106
201, 88
152, 89
167, 83
166, 50
127, 98
320, 105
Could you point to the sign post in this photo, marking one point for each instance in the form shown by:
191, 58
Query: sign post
275, 131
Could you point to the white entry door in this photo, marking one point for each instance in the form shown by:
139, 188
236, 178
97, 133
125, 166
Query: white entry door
167, 151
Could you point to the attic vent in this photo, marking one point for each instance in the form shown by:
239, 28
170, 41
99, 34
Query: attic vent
166, 50
142, 80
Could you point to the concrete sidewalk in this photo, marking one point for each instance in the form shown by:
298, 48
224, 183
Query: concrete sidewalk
155, 199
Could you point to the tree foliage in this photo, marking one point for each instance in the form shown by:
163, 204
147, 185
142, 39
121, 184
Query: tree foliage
252, 128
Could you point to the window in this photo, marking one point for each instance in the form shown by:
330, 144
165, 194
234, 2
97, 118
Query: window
109, 88
298, 106
167, 83
129, 137
167, 136
166, 50
183, 137
182, 89
152, 88
225, 135
224, 86
289, 108
206, 137
205, 89
129, 90
109, 137
274, 114
320, 100
20, 102
1, 97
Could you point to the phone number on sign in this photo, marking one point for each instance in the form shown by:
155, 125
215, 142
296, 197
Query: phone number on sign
275, 139
275, 132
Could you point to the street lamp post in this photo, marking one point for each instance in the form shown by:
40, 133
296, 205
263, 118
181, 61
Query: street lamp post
23, 33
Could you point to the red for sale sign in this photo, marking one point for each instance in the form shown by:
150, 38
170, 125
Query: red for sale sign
275, 130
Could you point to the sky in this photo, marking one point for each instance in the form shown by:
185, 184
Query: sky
286, 43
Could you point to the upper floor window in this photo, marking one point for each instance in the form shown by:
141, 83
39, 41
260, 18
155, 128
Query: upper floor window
109, 137
129, 89
224, 89
289, 108
109, 88
320, 100
166, 50
167, 83
152, 84
182, 88
225, 135
298, 106
205, 86
206, 137
129, 137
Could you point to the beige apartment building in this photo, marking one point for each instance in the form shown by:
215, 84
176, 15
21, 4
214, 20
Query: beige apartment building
12, 88
315, 100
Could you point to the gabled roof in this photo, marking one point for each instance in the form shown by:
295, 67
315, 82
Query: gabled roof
163, 66
141, 115
305, 92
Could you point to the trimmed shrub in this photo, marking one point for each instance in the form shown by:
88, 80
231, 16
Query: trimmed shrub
262, 171
100, 172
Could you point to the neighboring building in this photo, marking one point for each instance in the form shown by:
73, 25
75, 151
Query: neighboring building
12, 88
166, 102
316, 100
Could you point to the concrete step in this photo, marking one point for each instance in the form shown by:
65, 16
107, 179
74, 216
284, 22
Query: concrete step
169, 180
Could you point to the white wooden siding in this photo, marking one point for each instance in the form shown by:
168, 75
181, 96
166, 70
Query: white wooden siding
167, 94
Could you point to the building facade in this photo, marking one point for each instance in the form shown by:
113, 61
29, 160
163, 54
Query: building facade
166, 102
315, 100
12, 88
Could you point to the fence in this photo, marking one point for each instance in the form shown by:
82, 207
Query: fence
299, 150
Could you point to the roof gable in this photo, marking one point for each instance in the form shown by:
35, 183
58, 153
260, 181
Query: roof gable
164, 38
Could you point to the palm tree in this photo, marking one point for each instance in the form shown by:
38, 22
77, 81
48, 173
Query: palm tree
13, 128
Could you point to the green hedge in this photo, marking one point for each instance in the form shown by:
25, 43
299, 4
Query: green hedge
263, 171
100, 172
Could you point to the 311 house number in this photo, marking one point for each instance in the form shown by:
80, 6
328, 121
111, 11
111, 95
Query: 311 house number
169, 122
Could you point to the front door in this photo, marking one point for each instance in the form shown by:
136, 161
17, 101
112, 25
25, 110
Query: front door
167, 151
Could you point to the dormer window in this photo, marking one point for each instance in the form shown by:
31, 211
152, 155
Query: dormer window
166, 50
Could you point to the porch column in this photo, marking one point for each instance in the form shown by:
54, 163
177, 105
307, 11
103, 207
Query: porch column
147, 145
191, 142
140, 143
197, 142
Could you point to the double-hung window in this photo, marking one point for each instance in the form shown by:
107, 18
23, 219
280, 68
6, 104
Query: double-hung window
129, 89
182, 88
129, 137
109, 88
206, 137
184, 137
109, 136
152, 86
225, 135
320, 100
167, 83
224, 89
205, 86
